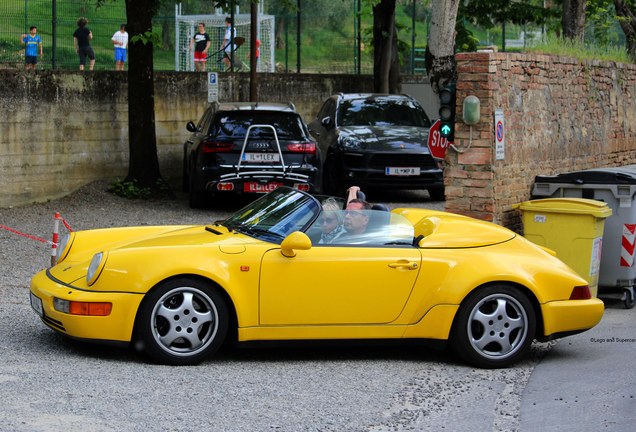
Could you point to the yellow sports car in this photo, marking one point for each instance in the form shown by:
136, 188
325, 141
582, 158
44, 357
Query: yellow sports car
294, 267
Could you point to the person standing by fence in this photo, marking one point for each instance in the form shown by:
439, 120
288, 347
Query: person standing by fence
120, 40
82, 42
32, 42
201, 43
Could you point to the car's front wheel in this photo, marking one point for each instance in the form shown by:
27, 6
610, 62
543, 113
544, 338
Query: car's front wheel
494, 327
182, 322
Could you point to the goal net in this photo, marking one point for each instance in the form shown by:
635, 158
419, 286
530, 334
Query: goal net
187, 25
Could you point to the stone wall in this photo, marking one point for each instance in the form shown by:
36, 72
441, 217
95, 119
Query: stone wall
560, 115
61, 129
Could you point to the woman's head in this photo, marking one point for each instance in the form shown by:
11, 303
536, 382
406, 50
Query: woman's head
331, 215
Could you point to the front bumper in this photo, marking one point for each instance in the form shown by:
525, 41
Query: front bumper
570, 316
118, 326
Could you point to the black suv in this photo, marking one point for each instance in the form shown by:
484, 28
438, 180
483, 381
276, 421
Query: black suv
246, 148
376, 141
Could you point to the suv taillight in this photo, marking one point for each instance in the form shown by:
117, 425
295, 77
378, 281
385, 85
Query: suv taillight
581, 293
209, 146
306, 147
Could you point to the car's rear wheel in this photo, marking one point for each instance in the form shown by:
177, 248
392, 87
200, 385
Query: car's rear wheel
437, 194
332, 179
494, 327
182, 322
197, 199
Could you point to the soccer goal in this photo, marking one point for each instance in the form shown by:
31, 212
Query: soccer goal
187, 25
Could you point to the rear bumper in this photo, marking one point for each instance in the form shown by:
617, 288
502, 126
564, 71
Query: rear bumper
567, 317
256, 179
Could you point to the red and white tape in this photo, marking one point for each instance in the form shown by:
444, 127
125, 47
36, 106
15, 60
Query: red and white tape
628, 243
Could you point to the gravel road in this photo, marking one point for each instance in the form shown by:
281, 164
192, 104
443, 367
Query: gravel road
49, 383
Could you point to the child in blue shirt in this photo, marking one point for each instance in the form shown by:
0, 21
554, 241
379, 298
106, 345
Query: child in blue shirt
32, 42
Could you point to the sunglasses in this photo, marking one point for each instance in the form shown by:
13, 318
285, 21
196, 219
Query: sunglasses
328, 219
354, 213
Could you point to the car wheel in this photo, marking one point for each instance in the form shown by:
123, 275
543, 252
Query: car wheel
332, 182
182, 322
494, 327
197, 199
437, 194
185, 181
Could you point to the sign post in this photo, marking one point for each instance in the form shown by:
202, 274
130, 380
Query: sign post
213, 87
437, 144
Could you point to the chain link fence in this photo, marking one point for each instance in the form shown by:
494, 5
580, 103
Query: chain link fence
324, 36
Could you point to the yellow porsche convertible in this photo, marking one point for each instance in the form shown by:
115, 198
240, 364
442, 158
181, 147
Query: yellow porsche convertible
271, 272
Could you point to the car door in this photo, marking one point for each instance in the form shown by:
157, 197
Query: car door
337, 285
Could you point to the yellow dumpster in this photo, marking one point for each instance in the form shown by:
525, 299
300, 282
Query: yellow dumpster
572, 227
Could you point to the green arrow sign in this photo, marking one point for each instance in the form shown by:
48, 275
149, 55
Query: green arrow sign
445, 130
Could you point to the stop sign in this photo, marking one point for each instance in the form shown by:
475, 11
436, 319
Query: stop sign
437, 144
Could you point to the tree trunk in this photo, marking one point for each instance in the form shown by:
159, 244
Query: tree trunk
144, 164
573, 19
386, 67
628, 24
440, 51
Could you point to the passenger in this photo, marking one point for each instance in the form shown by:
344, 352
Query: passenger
331, 222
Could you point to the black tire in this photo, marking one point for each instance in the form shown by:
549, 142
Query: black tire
332, 183
629, 301
494, 327
197, 199
437, 194
182, 322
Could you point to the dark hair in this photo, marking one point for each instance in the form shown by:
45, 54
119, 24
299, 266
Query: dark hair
365, 205
228, 20
82, 22
32, 27
122, 27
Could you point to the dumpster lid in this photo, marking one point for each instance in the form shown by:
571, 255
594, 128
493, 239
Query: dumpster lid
615, 175
591, 207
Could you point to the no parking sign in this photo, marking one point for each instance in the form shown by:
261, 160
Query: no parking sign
500, 135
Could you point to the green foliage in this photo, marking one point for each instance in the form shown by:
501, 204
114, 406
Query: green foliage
130, 190
582, 51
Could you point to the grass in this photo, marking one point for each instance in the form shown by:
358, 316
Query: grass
581, 51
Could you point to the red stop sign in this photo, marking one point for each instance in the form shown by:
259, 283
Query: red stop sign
437, 144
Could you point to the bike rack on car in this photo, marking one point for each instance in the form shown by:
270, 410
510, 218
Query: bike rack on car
264, 172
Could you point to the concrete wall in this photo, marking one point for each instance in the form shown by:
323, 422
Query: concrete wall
560, 115
61, 130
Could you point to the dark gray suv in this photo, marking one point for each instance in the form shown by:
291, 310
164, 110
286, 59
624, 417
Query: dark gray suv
248, 148
375, 141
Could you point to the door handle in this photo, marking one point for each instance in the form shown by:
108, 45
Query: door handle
408, 265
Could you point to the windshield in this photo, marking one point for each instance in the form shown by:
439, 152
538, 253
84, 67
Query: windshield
234, 125
382, 111
275, 215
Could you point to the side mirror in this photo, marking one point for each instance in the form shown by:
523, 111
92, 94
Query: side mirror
295, 241
191, 127
327, 122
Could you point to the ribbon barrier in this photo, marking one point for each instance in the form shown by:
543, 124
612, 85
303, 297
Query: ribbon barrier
54, 242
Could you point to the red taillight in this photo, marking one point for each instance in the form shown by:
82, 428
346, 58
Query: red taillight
302, 186
306, 147
581, 293
225, 186
215, 146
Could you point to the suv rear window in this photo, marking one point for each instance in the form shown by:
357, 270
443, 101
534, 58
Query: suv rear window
234, 125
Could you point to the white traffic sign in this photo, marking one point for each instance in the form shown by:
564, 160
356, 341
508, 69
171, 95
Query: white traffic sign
213, 87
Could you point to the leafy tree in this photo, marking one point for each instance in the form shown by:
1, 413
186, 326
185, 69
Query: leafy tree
626, 12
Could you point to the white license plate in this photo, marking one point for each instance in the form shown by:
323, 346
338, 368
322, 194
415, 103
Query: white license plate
402, 171
255, 187
36, 304
261, 157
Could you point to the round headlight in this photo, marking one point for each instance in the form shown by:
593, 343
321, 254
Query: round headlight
63, 247
95, 267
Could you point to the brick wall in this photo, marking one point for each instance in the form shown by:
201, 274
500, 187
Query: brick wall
560, 115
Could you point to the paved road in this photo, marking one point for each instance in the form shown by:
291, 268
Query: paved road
49, 383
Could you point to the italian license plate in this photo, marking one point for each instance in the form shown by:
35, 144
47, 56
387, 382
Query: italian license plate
261, 157
402, 171
36, 304
255, 187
